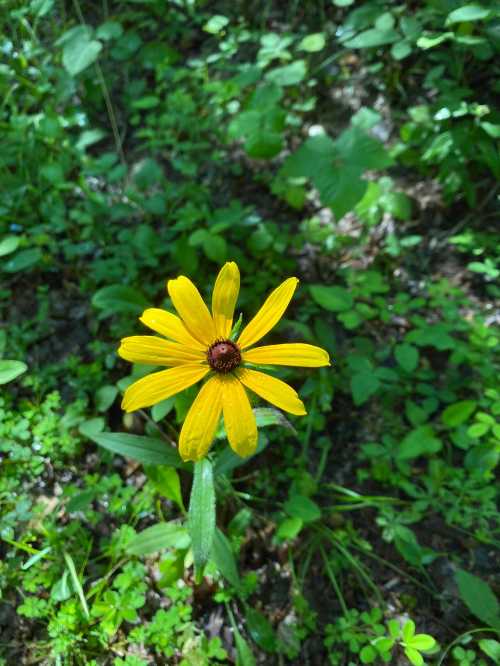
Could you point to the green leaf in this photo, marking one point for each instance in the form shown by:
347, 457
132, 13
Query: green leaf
335, 167
457, 413
289, 528
368, 654
215, 247
299, 506
408, 630
91, 427
9, 370
9, 244
260, 630
61, 590
167, 482
161, 409
77, 586
491, 648
431, 40
158, 537
223, 557
35, 558
22, 260
334, 299
468, 13
215, 24
201, 515
363, 386
372, 37
418, 442
414, 656
244, 655
105, 397
406, 356
312, 43
146, 450
80, 51
289, 75
479, 598
477, 430
421, 642
118, 298
268, 416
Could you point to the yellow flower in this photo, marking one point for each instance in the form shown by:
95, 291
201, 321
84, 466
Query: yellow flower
199, 345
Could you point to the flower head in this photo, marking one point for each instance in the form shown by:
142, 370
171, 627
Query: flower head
198, 344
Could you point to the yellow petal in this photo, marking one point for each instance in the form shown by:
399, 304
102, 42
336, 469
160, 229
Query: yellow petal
170, 326
224, 296
156, 351
273, 390
161, 385
239, 420
307, 356
199, 427
192, 309
269, 314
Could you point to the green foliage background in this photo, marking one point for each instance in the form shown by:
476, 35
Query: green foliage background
352, 144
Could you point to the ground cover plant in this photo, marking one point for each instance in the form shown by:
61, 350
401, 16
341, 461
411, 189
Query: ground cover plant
353, 146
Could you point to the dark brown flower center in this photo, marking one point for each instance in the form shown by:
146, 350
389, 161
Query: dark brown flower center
224, 356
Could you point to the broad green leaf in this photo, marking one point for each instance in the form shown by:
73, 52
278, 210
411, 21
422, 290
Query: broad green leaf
260, 629
335, 167
264, 144
457, 413
215, 248
471, 12
146, 450
268, 416
418, 442
105, 397
9, 244
9, 370
148, 173
372, 37
335, 299
477, 430
421, 642
368, 654
299, 506
91, 427
119, 298
406, 356
244, 655
158, 537
22, 260
215, 24
408, 630
80, 52
289, 528
166, 481
81, 500
61, 590
289, 75
201, 515
491, 648
313, 43
479, 598
414, 657
363, 386
161, 409
430, 40
223, 557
